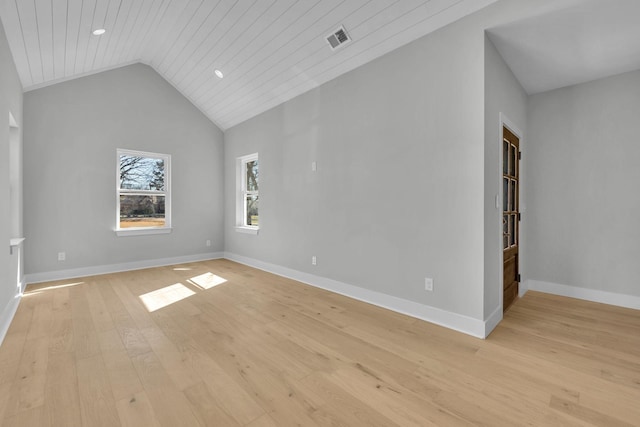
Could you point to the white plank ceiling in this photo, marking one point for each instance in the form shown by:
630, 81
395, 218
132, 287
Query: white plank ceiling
269, 50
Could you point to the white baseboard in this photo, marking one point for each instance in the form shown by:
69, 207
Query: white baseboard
493, 320
458, 322
115, 268
604, 297
7, 315
523, 287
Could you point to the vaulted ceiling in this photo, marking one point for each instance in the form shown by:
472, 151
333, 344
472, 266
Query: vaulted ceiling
575, 42
268, 50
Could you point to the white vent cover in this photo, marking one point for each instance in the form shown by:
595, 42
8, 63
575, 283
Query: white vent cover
338, 38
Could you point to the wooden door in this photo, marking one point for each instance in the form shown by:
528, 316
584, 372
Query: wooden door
510, 215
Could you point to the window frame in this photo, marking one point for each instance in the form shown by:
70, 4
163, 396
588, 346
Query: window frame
139, 231
242, 193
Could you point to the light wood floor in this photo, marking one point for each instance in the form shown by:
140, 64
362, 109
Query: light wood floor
259, 350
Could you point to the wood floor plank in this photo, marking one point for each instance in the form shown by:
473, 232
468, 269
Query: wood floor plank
62, 405
136, 411
34, 417
122, 375
260, 350
98, 309
85, 338
341, 407
396, 403
62, 332
97, 404
150, 371
5, 393
139, 314
22, 319
62, 399
236, 400
572, 357
172, 408
29, 384
263, 421
586, 414
173, 359
10, 355
42, 316
206, 409
546, 379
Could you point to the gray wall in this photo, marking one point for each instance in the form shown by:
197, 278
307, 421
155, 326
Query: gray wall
583, 154
72, 131
503, 94
398, 194
408, 164
10, 102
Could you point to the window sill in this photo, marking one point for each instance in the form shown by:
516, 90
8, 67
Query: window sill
14, 242
247, 230
141, 231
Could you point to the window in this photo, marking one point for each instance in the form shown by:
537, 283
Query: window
247, 218
143, 193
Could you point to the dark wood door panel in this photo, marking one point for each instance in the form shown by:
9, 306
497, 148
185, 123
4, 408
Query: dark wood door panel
510, 215
510, 294
510, 271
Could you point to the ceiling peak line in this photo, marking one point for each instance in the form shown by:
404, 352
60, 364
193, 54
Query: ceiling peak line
182, 30
269, 51
263, 48
238, 51
219, 39
262, 86
204, 21
280, 47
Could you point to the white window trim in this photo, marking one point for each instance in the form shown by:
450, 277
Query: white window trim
142, 231
241, 185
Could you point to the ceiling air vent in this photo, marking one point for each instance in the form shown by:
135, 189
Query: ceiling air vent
338, 38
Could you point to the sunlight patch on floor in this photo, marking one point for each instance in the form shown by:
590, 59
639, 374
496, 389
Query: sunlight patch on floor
163, 297
207, 280
50, 288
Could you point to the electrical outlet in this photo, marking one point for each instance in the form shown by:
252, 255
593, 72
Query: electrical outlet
314, 166
208, 243
313, 260
428, 284
62, 256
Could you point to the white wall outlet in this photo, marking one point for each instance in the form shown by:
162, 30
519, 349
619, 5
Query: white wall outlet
314, 166
62, 256
313, 260
428, 284
208, 242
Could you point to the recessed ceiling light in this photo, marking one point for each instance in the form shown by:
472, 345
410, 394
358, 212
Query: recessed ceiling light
99, 32
219, 74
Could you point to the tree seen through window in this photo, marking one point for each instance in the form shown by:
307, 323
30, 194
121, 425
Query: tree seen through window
142, 191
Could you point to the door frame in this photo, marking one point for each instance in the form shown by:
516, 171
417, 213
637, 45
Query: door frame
504, 121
